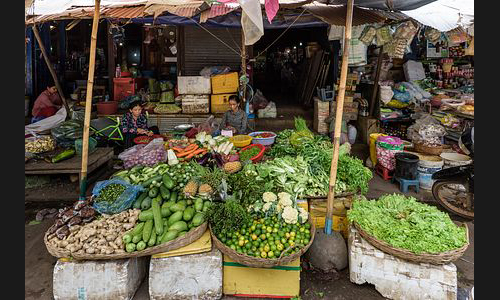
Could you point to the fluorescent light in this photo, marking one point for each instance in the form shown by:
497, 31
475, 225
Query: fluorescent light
148, 24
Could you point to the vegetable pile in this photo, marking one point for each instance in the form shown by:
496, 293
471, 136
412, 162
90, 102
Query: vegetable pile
110, 193
405, 223
249, 153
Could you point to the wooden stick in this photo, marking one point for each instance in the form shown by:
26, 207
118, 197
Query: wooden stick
51, 69
375, 82
338, 117
88, 101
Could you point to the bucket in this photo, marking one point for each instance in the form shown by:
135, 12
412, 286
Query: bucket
406, 166
373, 150
425, 170
452, 159
107, 108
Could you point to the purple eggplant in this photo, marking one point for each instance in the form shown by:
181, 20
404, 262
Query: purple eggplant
218, 160
204, 159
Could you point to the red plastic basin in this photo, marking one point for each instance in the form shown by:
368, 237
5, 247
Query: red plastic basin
257, 157
107, 108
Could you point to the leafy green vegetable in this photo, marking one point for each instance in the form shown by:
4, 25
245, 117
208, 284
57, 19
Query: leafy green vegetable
352, 171
227, 216
405, 223
249, 153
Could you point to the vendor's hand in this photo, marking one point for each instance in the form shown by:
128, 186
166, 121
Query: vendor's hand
141, 131
149, 133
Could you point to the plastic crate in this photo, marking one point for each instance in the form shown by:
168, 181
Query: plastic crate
78, 146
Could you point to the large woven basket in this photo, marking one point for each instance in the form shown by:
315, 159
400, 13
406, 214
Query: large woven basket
179, 242
257, 262
431, 258
428, 150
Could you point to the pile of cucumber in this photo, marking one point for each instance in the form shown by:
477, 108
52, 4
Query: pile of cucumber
164, 216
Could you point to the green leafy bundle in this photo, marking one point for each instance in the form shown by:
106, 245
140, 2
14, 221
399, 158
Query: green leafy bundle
352, 171
247, 189
227, 216
405, 223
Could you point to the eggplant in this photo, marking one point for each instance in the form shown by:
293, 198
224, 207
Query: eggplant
204, 159
218, 160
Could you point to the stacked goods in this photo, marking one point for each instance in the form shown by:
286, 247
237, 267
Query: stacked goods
223, 86
195, 94
321, 113
195, 104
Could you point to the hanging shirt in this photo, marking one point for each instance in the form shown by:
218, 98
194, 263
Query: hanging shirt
44, 103
129, 125
237, 120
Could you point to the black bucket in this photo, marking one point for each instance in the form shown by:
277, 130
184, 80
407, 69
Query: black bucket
406, 166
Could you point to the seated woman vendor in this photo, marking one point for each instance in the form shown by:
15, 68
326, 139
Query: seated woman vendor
47, 104
135, 123
234, 119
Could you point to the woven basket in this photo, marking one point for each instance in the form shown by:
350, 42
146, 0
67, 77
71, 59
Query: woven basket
179, 242
256, 262
428, 150
431, 258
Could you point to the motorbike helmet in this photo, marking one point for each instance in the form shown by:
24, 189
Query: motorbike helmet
466, 141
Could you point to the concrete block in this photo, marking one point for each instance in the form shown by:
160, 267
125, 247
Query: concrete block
397, 278
98, 279
195, 276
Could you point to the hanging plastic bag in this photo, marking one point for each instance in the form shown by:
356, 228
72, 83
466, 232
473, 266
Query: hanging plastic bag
251, 21
402, 96
386, 93
368, 35
123, 202
406, 31
432, 35
383, 35
47, 123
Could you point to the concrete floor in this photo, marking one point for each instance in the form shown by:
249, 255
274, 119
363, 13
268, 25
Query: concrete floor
39, 263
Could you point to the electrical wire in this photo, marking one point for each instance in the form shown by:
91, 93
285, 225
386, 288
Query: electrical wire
232, 49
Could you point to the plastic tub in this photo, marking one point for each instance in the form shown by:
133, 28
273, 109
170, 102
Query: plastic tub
263, 141
79, 144
257, 157
406, 166
107, 108
454, 159
241, 140
427, 167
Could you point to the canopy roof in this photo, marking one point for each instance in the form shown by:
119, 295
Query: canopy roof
445, 15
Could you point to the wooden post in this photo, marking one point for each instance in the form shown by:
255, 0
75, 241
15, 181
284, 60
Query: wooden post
52, 72
111, 63
338, 117
376, 80
88, 101
243, 63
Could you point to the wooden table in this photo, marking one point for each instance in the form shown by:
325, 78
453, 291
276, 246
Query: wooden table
71, 166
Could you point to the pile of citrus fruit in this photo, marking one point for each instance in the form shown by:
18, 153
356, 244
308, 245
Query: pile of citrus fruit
267, 238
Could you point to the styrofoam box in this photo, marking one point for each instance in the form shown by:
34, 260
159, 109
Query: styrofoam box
396, 278
195, 276
193, 85
98, 279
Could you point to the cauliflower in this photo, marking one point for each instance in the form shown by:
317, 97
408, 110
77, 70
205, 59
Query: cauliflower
284, 202
266, 206
303, 215
290, 215
269, 197
279, 207
284, 195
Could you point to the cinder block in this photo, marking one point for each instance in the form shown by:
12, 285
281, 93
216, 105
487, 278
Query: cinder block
98, 279
399, 279
195, 276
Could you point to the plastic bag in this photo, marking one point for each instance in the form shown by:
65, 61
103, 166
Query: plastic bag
148, 155
414, 70
433, 35
386, 93
47, 123
383, 35
217, 70
426, 130
402, 96
259, 101
268, 112
123, 202
406, 31
368, 35
39, 144
67, 132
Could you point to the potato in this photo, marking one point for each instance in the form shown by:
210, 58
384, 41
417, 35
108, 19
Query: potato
110, 237
90, 250
110, 251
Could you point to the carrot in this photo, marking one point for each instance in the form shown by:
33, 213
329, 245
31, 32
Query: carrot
185, 153
194, 153
177, 149
191, 147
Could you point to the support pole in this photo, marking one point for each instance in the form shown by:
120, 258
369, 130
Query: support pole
375, 82
88, 101
338, 117
51, 69
243, 63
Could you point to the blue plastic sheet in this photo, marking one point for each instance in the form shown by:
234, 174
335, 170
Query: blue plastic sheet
123, 202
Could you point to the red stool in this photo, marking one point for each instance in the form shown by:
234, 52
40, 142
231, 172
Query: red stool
385, 173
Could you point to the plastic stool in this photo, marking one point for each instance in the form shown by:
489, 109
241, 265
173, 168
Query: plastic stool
404, 184
385, 173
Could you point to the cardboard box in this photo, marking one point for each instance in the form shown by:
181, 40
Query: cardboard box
193, 85
220, 103
276, 282
225, 83
321, 113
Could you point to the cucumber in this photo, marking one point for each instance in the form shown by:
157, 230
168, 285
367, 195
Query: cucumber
130, 247
141, 246
137, 238
169, 235
152, 239
146, 203
127, 238
173, 196
148, 182
137, 229
177, 207
188, 213
63, 155
157, 216
189, 202
167, 204
153, 193
198, 219
181, 233
146, 215
179, 226
206, 205
176, 216
168, 182
165, 212
146, 233
183, 202
198, 204
137, 203
165, 193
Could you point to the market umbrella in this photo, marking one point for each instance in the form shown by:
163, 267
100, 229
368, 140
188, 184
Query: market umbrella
88, 101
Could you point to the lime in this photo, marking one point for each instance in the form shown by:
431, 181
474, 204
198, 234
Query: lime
292, 233
248, 246
232, 247
283, 240
273, 247
270, 238
254, 248
287, 235
263, 236
280, 247
257, 232
241, 242
307, 226
302, 229
250, 253
275, 230
223, 239
270, 254
263, 254
268, 235
267, 248
252, 228
243, 231
254, 236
